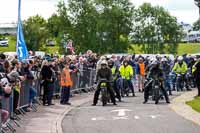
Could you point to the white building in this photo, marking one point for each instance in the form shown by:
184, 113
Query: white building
8, 28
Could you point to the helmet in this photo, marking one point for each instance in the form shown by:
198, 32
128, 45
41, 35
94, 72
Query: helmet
104, 62
163, 59
125, 61
110, 62
155, 63
102, 58
180, 58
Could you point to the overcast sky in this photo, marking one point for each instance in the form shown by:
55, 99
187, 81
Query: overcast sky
184, 10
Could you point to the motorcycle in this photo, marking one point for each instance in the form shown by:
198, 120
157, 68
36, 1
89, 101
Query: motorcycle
156, 94
124, 89
172, 80
190, 79
179, 82
104, 91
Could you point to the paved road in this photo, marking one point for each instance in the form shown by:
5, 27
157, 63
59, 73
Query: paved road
135, 118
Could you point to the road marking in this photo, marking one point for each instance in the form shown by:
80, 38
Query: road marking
120, 118
121, 112
94, 119
98, 119
136, 117
153, 116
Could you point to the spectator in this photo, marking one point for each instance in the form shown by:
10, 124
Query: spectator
140, 71
47, 77
66, 84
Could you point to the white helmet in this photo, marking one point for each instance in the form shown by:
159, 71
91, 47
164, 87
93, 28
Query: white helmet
180, 58
155, 63
104, 62
163, 60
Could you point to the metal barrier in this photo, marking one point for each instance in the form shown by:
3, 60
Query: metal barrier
83, 81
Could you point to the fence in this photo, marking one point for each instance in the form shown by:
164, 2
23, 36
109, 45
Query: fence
83, 81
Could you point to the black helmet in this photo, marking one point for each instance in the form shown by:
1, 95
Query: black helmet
2, 56
110, 62
125, 61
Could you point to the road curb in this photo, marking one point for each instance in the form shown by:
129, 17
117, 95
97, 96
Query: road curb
57, 126
179, 106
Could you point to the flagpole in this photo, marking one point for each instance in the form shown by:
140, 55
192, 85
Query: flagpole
21, 49
18, 25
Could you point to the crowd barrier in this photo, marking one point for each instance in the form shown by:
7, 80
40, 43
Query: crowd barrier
83, 81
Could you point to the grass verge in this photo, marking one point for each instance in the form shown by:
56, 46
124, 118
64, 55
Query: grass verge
195, 104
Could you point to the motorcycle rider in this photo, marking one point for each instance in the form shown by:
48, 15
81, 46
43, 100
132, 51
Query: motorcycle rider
155, 72
126, 71
166, 69
196, 73
104, 73
181, 68
115, 74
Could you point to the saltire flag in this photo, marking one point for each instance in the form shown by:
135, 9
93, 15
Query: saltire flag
70, 47
22, 52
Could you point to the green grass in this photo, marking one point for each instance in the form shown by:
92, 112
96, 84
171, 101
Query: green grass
52, 49
195, 104
188, 48
12, 46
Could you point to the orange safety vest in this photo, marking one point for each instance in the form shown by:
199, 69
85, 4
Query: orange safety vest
142, 69
66, 78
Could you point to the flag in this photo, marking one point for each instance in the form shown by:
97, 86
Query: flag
70, 47
22, 52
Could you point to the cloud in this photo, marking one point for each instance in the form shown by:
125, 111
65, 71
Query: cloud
181, 5
184, 10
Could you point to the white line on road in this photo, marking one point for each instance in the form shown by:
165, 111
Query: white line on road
121, 112
98, 119
136, 117
120, 118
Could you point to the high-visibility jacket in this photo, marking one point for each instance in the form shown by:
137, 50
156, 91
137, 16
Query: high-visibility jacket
66, 78
180, 69
194, 67
114, 70
126, 72
142, 69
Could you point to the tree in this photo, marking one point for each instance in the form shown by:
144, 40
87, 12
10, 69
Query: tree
35, 32
154, 27
196, 25
60, 25
101, 25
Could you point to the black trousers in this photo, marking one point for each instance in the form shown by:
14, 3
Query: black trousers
116, 89
97, 92
65, 94
48, 92
15, 99
148, 88
198, 86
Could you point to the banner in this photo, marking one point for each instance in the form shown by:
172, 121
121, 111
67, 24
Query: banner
22, 52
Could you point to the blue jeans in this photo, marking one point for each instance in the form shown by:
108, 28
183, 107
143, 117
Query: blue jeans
65, 94
33, 93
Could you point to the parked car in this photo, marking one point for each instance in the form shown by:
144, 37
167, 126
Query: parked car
3, 42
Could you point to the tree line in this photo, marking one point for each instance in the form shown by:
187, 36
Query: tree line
105, 26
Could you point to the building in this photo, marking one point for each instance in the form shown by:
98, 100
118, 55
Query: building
188, 34
8, 28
